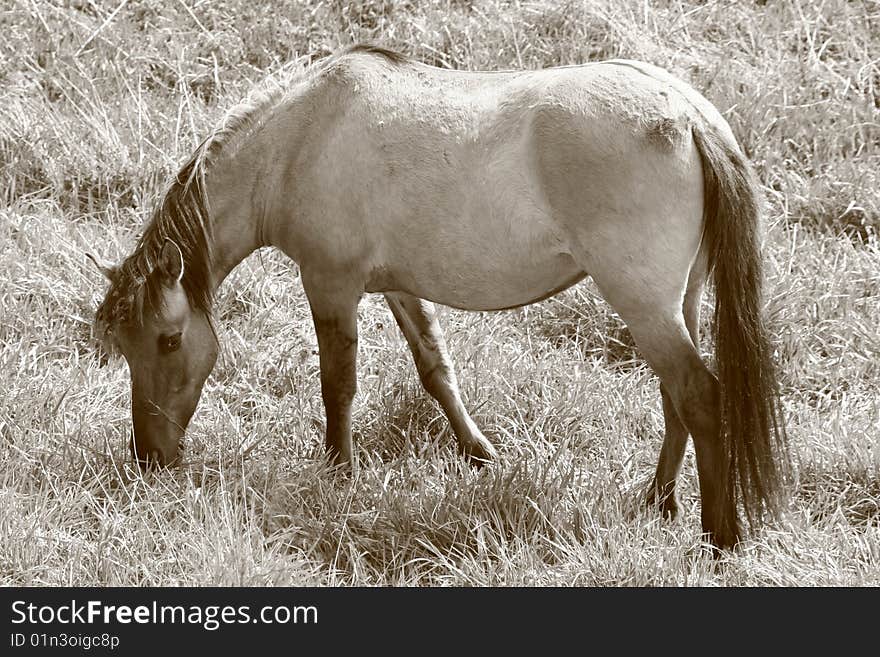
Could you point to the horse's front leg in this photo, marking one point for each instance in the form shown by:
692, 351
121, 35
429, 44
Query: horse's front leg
418, 321
335, 315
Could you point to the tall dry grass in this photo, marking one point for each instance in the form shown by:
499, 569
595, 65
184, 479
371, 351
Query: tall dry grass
100, 102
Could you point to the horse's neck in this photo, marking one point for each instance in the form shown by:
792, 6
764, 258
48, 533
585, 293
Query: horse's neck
236, 226
243, 194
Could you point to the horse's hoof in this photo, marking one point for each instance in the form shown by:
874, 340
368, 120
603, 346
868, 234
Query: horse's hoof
722, 541
479, 452
341, 464
667, 504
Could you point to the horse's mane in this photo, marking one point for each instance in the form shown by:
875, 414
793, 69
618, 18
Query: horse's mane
184, 217
184, 213
391, 55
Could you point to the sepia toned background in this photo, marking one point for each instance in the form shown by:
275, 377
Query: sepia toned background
100, 101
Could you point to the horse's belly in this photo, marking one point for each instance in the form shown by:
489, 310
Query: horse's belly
478, 266
501, 290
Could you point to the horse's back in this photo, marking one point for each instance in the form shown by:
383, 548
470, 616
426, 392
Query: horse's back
487, 190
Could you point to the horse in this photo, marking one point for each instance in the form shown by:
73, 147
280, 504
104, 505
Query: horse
482, 191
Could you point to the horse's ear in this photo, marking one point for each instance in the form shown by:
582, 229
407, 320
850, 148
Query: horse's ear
170, 262
104, 267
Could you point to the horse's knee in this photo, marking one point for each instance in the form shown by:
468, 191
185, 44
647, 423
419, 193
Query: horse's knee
435, 380
435, 371
697, 400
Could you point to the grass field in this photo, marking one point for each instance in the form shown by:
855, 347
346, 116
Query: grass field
97, 109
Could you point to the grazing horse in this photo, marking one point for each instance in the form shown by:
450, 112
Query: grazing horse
481, 191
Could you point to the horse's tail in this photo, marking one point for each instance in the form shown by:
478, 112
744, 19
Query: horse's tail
756, 459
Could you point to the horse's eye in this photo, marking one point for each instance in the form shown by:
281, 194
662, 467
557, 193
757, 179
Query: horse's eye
169, 343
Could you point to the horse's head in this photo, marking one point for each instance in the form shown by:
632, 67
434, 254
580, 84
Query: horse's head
170, 348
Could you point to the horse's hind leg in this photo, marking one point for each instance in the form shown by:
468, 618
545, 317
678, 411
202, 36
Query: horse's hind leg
658, 326
695, 395
662, 490
418, 321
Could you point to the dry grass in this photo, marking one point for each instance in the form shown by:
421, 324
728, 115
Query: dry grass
97, 111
